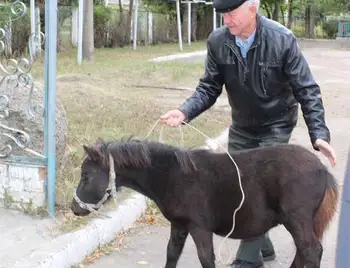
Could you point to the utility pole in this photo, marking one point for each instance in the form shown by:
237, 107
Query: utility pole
88, 30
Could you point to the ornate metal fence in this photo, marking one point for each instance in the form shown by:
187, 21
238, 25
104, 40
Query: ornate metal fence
344, 28
15, 76
25, 131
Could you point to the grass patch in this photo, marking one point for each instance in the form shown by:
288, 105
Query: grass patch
101, 101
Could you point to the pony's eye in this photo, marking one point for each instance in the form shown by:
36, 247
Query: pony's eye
84, 176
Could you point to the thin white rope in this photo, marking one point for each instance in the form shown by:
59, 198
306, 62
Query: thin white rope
160, 139
238, 174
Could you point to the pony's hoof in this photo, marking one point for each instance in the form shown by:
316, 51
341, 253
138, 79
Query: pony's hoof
268, 255
245, 264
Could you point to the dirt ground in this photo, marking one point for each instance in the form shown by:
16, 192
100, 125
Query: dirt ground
145, 245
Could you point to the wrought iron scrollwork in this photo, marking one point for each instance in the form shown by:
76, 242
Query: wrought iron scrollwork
16, 10
15, 75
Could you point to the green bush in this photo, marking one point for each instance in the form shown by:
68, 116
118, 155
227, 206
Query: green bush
102, 15
110, 29
299, 30
20, 32
330, 29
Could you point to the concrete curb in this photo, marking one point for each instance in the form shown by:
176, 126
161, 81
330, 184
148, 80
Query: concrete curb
71, 248
180, 56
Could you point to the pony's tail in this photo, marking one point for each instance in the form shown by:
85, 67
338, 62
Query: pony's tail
328, 206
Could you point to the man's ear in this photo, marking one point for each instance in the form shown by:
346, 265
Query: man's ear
93, 153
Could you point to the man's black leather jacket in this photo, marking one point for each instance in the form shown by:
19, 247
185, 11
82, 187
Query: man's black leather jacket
264, 89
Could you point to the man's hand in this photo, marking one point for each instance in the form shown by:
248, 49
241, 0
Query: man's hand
327, 150
173, 118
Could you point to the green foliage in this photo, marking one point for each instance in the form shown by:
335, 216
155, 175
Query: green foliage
20, 31
109, 27
299, 30
59, 2
160, 6
102, 15
330, 29
330, 7
99, 2
20, 35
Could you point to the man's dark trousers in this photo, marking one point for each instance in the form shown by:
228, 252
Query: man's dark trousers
250, 250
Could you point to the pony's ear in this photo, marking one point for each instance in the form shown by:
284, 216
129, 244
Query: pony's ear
99, 141
92, 153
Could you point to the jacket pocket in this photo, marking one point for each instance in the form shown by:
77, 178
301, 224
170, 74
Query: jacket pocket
271, 78
232, 74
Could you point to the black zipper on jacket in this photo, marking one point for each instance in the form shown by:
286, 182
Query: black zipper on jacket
240, 60
244, 65
234, 52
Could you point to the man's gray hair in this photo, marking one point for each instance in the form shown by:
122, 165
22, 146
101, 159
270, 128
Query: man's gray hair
254, 3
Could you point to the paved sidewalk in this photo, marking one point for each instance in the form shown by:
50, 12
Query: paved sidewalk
26, 241
20, 234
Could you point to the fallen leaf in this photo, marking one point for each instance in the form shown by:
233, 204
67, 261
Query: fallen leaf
151, 219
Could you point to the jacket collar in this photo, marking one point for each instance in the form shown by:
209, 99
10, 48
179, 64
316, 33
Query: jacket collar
257, 39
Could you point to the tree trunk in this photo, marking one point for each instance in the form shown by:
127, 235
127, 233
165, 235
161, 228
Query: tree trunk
128, 22
283, 12
312, 19
62, 14
290, 14
88, 30
121, 13
194, 23
309, 22
275, 14
267, 9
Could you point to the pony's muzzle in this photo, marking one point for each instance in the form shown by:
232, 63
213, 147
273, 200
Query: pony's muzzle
78, 210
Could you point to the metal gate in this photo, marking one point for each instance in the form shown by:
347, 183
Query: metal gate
344, 29
19, 161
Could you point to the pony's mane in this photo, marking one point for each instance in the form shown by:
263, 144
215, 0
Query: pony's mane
131, 152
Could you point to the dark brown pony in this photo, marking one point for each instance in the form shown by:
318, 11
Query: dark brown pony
198, 191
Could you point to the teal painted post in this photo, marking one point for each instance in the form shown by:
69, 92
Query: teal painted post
46, 68
339, 28
50, 99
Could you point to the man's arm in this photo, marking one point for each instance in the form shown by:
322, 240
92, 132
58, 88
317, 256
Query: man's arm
208, 90
306, 92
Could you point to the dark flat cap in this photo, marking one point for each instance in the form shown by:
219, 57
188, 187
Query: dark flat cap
222, 6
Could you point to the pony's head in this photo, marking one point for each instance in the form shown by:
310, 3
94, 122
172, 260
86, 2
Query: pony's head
94, 187
108, 164
98, 180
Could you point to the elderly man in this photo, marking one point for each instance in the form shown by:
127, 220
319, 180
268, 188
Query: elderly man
265, 76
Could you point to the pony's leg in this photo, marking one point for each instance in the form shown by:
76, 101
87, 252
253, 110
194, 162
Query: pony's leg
313, 254
309, 249
298, 261
205, 249
175, 246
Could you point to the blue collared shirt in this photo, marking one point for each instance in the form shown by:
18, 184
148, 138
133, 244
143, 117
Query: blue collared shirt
244, 45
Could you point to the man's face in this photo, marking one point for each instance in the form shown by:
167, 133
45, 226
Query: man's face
238, 20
